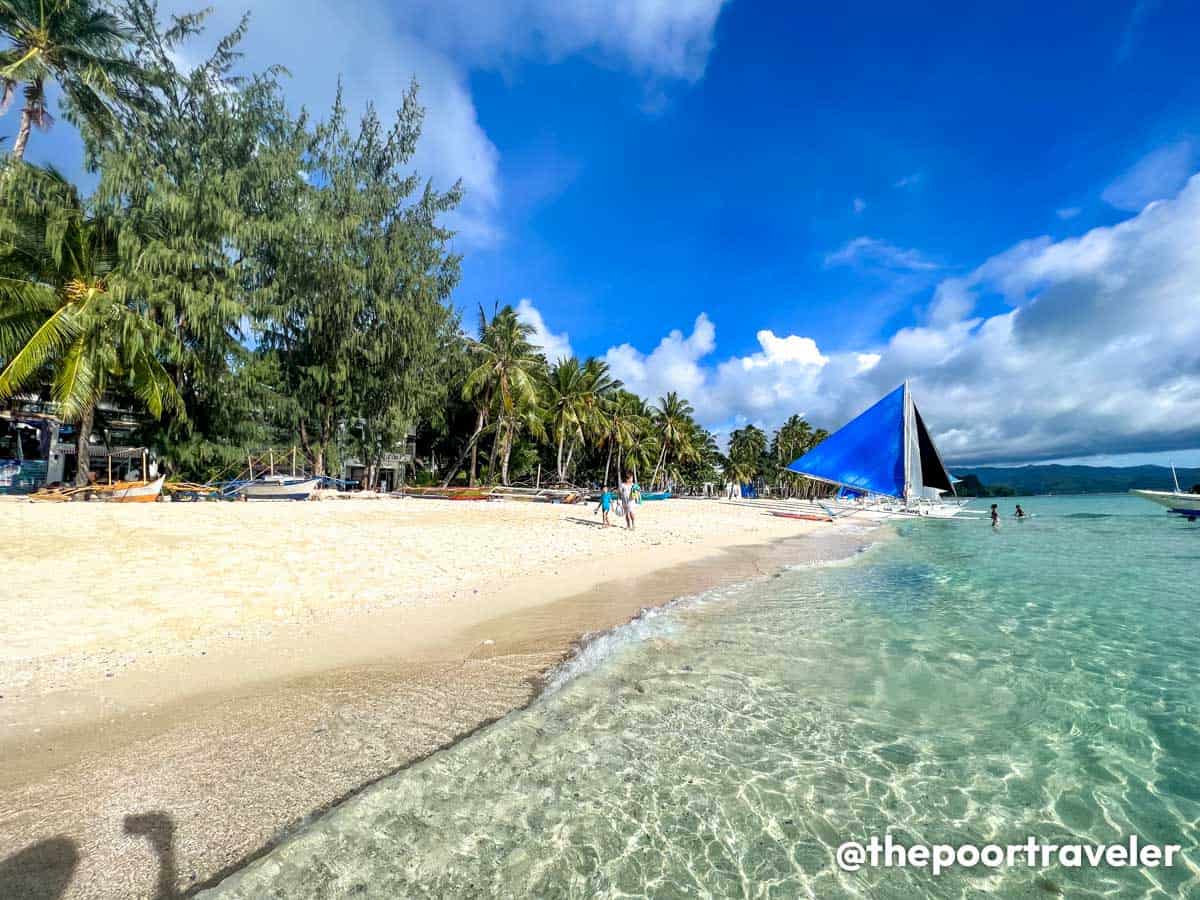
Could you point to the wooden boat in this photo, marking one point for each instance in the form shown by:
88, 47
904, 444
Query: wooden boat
447, 493
538, 495
279, 487
130, 491
809, 517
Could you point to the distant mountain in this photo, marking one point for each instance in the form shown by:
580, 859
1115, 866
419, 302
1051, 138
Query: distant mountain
984, 481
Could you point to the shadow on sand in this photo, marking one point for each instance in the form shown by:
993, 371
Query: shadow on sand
591, 523
159, 829
43, 871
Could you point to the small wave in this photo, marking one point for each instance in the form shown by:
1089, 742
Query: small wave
835, 561
594, 649
597, 647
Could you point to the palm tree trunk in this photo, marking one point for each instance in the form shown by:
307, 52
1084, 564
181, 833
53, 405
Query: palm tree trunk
561, 438
34, 98
508, 442
18, 150
472, 447
491, 469
570, 454
83, 436
662, 455
608, 462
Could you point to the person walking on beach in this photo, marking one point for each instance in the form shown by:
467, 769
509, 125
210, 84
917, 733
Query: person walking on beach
995, 516
625, 489
605, 504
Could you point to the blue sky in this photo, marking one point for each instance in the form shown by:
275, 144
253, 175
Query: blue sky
777, 210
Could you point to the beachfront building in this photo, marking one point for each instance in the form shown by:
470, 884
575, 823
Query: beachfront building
387, 473
37, 448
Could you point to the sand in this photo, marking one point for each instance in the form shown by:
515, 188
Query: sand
181, 684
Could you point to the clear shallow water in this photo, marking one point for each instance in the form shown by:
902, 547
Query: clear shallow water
953, 685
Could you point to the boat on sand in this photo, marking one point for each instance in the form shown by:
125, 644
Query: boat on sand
279, 487
130, 491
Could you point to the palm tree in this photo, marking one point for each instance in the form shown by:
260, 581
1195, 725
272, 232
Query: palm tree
747, 445
643, 452
508, 371
740, 471
66, 318
621, 422
791, 441
76, 43
673, 420
566, 403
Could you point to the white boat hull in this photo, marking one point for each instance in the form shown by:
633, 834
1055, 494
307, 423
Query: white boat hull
280, 489
135, 492
1184, 504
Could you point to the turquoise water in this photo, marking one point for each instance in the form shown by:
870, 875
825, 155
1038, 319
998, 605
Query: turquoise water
950, 685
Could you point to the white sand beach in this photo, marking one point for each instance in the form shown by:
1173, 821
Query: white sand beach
184, 682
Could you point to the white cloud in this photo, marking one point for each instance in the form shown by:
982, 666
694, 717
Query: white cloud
859, 204
1097, 354
790, 349
1158, 174
873, 251
377, 47
867, 361
662, 38
554, 346
1067, 212
674, 365
908, 180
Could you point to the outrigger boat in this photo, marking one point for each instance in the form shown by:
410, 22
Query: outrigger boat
887, 455
130, 491
278, 487
1179, 502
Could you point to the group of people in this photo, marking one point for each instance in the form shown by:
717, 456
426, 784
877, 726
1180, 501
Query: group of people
1020, 514
627, 494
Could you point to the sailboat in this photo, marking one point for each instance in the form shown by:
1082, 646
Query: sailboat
1179, 502
885, 452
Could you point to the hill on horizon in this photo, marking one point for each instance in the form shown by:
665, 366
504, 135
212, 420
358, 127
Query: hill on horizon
1060, 479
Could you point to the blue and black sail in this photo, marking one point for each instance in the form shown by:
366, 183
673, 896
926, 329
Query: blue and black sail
885, 450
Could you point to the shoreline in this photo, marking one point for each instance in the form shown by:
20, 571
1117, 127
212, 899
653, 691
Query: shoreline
292, 723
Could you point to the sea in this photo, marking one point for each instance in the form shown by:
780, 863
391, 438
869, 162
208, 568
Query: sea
949, 684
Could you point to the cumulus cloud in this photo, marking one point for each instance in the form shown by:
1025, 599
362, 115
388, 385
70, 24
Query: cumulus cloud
1160, 173
1096, 354
876, 252
554, 346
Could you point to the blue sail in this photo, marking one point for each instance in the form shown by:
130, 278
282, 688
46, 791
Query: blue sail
866, 453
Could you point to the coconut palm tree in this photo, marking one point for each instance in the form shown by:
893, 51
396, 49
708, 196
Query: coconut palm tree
479, 393
66, 319
567, 406
673, 420
77, 43
508, 371
621, 423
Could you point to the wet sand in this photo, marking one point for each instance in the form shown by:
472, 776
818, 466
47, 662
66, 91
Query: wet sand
164, 720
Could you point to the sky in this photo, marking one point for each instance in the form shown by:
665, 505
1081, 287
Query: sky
775, 209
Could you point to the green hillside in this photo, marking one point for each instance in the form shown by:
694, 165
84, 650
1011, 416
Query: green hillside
985, 481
